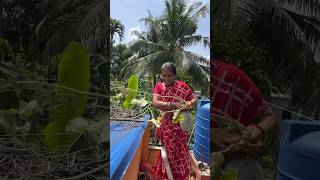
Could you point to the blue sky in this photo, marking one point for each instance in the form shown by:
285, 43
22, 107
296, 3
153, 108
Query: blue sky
129, 12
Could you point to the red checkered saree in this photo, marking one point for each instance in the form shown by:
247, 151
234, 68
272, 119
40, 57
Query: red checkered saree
171, 135
234, 94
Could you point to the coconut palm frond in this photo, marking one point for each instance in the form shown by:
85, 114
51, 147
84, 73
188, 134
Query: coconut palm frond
150, 20
201, 13
200, 61
236, 12
45, 6
199, 73
140, 45
297, 30
55, 44
94, 16
86, 21
191, 40
140, 64
206, 41
244, 12
307, 8
140, 35
220, 11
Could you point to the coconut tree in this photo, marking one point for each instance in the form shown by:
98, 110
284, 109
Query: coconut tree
116, 28
118, 51
65, 21
291, 32
166, 40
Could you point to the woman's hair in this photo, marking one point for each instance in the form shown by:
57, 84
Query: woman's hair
169, 65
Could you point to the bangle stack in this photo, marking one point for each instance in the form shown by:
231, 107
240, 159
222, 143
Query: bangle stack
168, 104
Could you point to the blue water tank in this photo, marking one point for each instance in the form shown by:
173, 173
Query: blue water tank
202, 131
299, 155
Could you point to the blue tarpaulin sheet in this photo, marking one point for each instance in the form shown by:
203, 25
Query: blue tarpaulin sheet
125, 137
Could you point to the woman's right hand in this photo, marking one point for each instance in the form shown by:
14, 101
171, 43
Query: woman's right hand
175, 105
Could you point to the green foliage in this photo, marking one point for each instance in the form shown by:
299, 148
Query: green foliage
18, 20
13, 121
215, 167
5, 49
53, 139
119, 54
242, 49
132, 92
185, 77
269, 167
74, 72
230, 175
26, 98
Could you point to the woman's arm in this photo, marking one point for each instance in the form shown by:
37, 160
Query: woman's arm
267, 127
157, 103
164, 106
191, 103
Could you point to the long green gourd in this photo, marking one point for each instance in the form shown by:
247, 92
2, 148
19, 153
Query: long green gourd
74, 72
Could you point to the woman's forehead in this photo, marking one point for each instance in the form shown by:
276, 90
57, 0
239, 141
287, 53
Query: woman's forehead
167, 70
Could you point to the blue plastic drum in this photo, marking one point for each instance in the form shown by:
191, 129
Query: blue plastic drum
299, 155
202, 132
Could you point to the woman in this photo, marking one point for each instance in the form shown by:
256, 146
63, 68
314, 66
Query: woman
236, 95
167, 96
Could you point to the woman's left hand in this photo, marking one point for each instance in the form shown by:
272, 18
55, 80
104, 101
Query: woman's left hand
252, 144
189, 105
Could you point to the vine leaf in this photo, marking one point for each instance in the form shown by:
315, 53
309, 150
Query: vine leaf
175, 116
74, 72
160, 116
128, 105
77, 125
119, 96
52, 138
142, 102
134, 101
155, 122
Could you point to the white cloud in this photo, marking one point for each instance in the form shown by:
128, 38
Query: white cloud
129, 36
